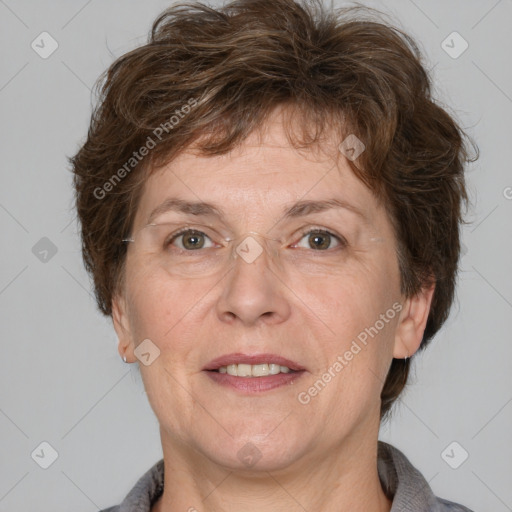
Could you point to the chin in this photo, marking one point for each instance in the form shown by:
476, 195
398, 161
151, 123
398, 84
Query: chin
255, 453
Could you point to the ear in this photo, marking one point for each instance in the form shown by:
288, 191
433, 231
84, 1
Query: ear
122, 327
412, 322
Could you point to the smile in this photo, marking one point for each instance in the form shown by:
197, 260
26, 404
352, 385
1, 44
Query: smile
254, 370
251, 383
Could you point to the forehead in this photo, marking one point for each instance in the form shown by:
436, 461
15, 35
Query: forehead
261, 178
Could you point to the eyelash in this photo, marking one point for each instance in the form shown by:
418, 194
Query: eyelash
341, 240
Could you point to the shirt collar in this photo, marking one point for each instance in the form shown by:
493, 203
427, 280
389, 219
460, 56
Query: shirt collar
402, 482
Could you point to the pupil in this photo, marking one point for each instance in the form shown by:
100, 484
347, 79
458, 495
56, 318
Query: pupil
193, 245
320, 237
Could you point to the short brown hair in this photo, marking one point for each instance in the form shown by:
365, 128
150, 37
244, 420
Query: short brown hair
232, 67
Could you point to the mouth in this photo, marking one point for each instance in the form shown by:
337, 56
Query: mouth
252, 365
253, 373
253, 370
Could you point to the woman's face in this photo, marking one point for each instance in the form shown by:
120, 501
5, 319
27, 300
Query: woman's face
332, 307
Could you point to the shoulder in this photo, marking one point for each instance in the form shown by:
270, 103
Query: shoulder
145, 493
450, 506
407, 486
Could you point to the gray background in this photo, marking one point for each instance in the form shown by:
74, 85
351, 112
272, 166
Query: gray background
61, 378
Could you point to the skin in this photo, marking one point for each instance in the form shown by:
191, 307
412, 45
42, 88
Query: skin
309, 315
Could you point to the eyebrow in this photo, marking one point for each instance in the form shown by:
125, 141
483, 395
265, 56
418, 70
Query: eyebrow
298, 209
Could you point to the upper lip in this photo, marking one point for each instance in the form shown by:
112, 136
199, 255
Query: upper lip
239, 358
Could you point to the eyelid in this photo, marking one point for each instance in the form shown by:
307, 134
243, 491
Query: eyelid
182, 231
303, 232
340, 238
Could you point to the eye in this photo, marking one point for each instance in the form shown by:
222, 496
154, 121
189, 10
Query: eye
192, 239
321, 239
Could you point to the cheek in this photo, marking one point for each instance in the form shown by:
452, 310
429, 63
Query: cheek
161, 308
342, 305
353, 299
359, 323
149, 307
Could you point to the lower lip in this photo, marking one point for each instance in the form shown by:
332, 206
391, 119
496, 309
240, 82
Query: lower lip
254, 384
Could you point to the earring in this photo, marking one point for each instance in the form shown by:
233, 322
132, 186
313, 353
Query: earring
124, 359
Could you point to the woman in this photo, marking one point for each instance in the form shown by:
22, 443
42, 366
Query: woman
270, 204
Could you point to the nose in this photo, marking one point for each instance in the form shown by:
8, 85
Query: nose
252, 289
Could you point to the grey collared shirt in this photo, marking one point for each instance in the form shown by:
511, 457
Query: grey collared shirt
401, 481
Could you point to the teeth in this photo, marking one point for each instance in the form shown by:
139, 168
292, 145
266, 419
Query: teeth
253, 370
243, 370
274, 369
260, 370
232, 369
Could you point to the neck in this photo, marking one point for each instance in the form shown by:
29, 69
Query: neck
345, 480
